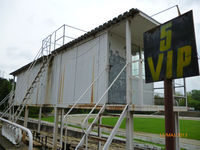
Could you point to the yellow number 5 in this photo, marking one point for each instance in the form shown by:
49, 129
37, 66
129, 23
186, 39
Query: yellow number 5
165, 36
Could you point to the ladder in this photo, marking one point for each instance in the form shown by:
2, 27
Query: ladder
31, 88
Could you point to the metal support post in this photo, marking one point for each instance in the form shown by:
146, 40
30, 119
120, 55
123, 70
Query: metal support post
129, 131
99, 132
11, 99
55, 129
39, 119
129, 117
185, 93
61, 126
26, 116
177, 131
140, 79
65, 146
169, 115
176, 118
25, 121
86, 136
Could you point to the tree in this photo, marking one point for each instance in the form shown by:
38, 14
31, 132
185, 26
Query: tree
194, 99
195, 94
5, 88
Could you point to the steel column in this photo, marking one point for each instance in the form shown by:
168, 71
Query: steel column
129, 130
26, 116
129, 116
140, 86
99, 132
169, 115
61, 126
11, 100
185, 93
55, 129
176, 118
177, 131
39, 119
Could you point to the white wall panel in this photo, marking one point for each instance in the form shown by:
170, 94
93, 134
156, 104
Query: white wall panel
68, 75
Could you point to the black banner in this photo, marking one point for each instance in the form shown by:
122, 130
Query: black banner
170, 50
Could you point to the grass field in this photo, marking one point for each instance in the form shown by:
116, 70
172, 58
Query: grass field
153, 125
157, 126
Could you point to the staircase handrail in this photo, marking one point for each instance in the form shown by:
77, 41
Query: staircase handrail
30, 136
87, 117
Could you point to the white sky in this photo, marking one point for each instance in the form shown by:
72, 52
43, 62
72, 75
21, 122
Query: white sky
24, 23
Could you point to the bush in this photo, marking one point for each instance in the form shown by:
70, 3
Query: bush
5, 88
194, 103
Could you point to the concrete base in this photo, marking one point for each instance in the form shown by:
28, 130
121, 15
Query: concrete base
7, 145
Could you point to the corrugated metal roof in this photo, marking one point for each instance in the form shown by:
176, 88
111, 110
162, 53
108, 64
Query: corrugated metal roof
93, 32
102, 27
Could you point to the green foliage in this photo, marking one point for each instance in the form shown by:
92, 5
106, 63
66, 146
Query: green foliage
194, 99
194, 103
5, 88
47, 110
195, 94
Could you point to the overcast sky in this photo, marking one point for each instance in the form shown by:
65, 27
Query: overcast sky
24, 23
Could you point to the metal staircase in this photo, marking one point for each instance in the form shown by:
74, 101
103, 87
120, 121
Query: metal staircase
87, 129
107, 141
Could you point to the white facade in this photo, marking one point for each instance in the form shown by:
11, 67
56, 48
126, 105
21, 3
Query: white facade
70, 73
73, 68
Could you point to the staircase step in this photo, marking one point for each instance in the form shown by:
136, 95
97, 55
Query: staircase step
97, 138
110, 114
103, 126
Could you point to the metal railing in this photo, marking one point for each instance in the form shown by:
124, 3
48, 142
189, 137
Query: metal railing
30, 136
87, 117
76, 102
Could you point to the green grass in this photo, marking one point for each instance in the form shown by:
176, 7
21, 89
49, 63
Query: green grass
157, 126
48, 119
152, 125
